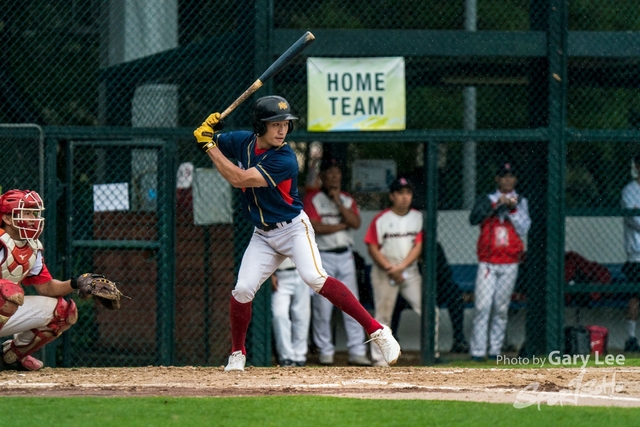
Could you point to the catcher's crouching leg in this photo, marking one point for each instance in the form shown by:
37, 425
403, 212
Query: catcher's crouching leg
11, 297
25, 343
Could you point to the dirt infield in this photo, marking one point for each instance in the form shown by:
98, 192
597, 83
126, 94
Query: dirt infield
618, 386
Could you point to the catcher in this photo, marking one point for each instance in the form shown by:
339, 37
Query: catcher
39, 319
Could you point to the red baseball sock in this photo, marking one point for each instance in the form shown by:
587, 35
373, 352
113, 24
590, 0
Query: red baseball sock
340, 296
240, 314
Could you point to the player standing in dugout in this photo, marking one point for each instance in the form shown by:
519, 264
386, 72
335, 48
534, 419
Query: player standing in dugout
503, 217
333, 214
268, 176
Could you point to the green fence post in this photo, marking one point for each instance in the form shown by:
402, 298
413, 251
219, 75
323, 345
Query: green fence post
50, 237
166, 265
538, 118
258, 342
428, 344
262, 42
556, 159
259, 334
68, 244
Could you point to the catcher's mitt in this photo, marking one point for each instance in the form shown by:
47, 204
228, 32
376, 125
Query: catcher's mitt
101, 288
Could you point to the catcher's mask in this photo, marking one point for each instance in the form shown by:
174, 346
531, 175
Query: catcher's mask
25, 208
271, 109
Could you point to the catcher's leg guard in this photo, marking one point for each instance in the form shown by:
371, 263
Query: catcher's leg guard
11, 297
65, 316
25, 343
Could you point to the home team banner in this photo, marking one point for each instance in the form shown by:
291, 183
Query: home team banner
355, 94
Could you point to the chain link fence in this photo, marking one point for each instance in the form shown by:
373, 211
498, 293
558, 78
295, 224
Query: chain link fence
168, 238
24, 145
150, 211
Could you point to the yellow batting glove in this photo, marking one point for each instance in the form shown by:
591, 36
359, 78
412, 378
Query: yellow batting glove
215, 121
204, 134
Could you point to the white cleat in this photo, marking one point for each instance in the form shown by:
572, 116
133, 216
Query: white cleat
325, 359
236, 362
359, 360
388, 345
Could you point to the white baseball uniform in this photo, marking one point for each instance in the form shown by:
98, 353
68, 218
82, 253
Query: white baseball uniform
395, 235
40, 319
499, 248
293, 239
33, 321
631, 200
631, 268
337, 259
282, 230
24, 265
291, 309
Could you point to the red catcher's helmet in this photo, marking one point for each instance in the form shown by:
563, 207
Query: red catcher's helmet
20, 203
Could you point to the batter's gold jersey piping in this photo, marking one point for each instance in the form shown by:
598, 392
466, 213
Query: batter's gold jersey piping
313, 254
255, 200
266, 173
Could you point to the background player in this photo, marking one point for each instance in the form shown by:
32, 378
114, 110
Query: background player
291, 310
631, 268
333, 214
449, 294
394, 240
504, 220
32, 320
267, 173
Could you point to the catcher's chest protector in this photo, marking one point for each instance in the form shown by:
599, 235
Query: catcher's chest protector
18, 261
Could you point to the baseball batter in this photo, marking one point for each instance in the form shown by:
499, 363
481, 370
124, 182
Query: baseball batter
333, 214
504, 220
267, 173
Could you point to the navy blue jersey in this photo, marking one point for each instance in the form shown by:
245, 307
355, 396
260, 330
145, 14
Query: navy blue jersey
277, 202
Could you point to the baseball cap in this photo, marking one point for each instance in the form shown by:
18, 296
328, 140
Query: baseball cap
330, 163
400, 183
505, 168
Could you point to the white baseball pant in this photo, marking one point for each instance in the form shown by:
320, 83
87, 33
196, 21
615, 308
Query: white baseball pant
340, 266
492, 295
385, 295
267, 250
291, 309
36, 313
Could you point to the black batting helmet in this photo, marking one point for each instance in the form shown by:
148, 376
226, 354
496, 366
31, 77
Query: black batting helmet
271, 109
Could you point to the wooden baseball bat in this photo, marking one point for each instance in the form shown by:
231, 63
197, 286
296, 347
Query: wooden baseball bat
278, 65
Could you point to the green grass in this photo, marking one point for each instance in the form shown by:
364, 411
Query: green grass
292, 411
